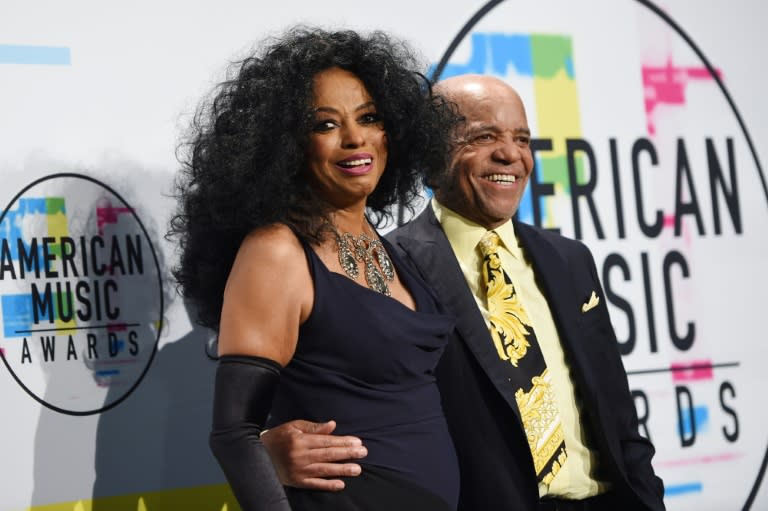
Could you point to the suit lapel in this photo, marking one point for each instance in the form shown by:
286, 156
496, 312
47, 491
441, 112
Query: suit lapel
557, 285
551, 275
425, 243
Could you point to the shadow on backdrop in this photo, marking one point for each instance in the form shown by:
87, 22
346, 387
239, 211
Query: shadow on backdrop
153, 406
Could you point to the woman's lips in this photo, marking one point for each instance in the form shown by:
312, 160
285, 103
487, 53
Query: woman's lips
356, 164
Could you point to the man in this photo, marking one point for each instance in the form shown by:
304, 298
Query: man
526, 300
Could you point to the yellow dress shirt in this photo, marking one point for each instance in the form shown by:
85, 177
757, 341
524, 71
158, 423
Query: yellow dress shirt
575, 479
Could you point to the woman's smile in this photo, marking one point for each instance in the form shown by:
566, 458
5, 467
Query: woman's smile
356, 164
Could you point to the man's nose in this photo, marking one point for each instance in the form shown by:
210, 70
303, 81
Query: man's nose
506, 151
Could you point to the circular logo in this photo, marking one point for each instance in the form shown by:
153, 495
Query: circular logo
641, 152
81, 298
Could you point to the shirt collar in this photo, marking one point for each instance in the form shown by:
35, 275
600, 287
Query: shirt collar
464, 234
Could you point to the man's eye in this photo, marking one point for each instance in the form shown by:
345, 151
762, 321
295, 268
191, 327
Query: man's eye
323, 126
483, 138
523, 140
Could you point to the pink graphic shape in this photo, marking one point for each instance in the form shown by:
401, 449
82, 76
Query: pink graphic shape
669, 223
109, 215
692, 371
119, 327
666, 85
701, 460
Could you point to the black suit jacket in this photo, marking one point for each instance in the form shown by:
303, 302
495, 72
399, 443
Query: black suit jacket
495, 461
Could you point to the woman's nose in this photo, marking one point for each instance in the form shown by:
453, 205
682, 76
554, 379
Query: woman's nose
352, 136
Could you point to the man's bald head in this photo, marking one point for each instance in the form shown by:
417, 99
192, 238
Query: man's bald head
467, 90
492, 159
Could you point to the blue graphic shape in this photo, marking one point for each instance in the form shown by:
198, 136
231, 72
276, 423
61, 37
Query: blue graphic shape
120, 346
569, 67
525, 209
682, 489
39, 55
17, 314
700, 415
10, 228
494, 53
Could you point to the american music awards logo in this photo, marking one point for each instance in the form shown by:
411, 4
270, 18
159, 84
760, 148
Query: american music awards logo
81, 299
641, 152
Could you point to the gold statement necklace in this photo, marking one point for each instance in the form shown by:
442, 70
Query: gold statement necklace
365, 249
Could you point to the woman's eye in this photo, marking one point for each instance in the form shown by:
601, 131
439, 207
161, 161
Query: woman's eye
370, 118
322, 126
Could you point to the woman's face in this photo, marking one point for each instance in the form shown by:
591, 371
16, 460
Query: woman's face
347, 149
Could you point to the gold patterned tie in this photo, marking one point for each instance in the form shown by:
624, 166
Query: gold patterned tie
517, 347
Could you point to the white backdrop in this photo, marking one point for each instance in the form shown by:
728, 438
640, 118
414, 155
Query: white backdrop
119, 420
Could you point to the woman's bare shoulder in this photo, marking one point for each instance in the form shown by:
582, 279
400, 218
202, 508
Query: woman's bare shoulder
271, 243
269, 255
269, 293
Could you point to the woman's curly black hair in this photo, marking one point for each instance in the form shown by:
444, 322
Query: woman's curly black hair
244, 161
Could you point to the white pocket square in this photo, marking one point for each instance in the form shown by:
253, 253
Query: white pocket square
591, 304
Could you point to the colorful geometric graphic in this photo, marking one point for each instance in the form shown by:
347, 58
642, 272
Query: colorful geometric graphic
17, 309
666, 86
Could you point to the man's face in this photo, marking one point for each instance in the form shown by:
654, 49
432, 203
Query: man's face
492, 160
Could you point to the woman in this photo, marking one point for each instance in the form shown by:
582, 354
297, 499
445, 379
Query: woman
317, 318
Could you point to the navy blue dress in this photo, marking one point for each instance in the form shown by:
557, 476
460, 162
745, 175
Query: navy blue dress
366, 361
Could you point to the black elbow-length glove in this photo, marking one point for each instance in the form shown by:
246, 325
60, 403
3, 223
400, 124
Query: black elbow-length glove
243, 395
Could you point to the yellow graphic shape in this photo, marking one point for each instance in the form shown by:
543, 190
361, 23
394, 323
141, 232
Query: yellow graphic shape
201, 498
557, 118
557, 110
58, 228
